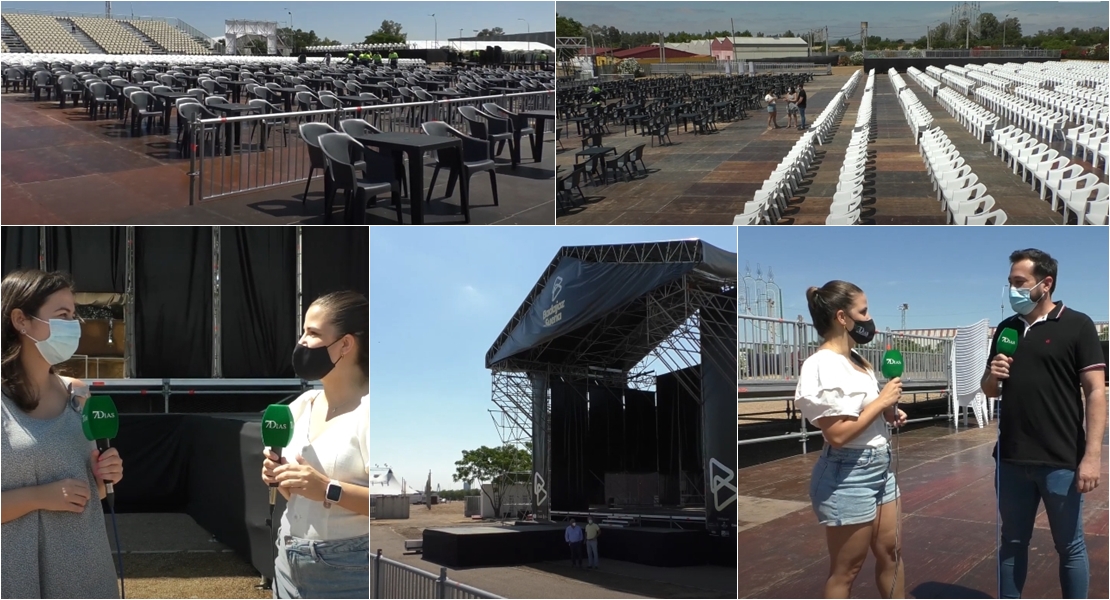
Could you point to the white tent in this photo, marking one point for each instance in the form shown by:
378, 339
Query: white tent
383, 483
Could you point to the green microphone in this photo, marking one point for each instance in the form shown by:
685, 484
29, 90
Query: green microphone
100, 422
893, 366
277, 432
1007, 345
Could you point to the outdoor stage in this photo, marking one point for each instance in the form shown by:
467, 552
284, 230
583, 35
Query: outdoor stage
948, 532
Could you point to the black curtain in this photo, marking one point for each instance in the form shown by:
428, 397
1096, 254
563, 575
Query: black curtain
568, 446
642, 441
258, 301
334, 259
718, 403
21, 248
173, 302
94, 256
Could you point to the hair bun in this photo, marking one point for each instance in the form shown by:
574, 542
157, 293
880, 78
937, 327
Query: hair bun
811, 294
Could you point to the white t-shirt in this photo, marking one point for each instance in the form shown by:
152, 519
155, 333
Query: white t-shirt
769, 99
341, 452
830, 386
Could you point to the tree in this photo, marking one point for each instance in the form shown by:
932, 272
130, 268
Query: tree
388, 33
299, 39
989, 28
485, 33
568, 27
745, 33
502, 467
788, 34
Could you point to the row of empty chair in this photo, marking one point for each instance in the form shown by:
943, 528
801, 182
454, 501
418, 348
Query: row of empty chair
111, 36
845, 207
1074, 109
958, 82
1041, 121
43, 33
925, 80
919, 118
962, 196
1095, 140
769, 202
975, 118
993, 81
1079, 193
171, 38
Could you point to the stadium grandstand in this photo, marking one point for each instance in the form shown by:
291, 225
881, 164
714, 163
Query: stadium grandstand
69, 33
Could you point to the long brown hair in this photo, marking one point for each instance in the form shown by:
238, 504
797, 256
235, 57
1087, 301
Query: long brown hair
26, 290
349, 312
825, 301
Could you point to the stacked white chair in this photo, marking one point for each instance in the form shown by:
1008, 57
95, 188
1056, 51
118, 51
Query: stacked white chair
1042, 121
976, 119
845, 207
958, 190
918, 117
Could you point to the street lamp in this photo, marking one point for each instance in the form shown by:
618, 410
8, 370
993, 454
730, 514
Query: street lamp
433, 16
1004, 31
529, 25
290, 13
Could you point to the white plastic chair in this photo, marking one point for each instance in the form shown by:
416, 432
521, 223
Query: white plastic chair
994, 217
1078, 201
850, 218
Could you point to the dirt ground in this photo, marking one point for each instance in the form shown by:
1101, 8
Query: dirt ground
449, 514
183, 575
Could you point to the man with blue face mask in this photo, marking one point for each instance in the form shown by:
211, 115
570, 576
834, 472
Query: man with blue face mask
1043, 452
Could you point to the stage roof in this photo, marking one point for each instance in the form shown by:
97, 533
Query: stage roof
601, 306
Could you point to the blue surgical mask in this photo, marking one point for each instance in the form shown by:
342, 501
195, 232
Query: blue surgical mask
1020, 300
64, 338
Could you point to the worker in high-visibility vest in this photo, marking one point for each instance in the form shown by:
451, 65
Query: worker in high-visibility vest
377, 59
393, 59
543, 60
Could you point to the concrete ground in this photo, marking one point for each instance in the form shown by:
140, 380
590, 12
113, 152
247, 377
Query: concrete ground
60, 167
170, 556
552, 579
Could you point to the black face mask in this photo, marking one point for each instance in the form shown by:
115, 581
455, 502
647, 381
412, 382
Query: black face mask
863, 332
312, 364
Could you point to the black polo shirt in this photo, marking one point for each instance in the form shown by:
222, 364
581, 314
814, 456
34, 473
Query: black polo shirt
1042, 401
802, 96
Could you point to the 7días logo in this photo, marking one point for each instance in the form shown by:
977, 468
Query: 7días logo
100, 414
893, 361
275, 425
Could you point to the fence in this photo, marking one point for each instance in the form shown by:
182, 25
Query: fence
771, 349
217, 170
392, 579
966, 53
739, 67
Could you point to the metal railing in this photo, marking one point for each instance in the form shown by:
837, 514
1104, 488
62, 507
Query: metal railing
966, 53
770, 349
282, 157
739, 67
392, 579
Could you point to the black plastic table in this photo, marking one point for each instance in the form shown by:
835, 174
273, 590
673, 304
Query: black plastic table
415, 145
232, 110
540, 117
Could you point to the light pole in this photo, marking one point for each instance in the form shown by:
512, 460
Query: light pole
290, 13
529, 25
1004, 31
436, 21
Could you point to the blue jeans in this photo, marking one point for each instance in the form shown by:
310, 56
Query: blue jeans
591, 553
1021, 488
322, 569
802, 114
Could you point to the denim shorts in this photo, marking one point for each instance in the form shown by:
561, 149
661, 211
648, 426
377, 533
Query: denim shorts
849, 484
322, 569
770, 108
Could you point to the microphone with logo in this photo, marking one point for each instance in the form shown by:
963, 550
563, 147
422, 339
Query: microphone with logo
1007, 345
893, 366
101, 423
277, 432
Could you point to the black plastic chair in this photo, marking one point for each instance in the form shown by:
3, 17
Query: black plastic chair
310, 133
102, 94
340, 152
493, 129
145, 106
267, 124
476, 158
187, 112
519, 124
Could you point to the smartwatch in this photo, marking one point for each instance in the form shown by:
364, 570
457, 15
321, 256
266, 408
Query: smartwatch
335, 491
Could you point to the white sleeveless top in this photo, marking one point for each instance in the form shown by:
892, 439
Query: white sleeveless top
341, 452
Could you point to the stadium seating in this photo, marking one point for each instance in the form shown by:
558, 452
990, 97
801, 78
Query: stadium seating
42, 33
172, 39
111, 36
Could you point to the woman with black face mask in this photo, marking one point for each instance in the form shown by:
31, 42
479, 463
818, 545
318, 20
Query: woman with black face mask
324, 473
852, 489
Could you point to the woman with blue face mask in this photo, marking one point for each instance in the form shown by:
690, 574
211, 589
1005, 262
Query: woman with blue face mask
324, 473
55, 543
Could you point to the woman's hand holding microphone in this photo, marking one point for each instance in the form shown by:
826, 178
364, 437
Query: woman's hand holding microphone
888, 399
296, 477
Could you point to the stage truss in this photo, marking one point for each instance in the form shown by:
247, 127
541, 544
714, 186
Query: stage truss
236, 29
669, 339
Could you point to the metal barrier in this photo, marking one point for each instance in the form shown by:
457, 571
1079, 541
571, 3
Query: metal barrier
966, 53
280, 156
739, 67
770, 349
392, 579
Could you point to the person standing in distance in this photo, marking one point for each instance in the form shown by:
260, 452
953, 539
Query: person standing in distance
573, 536
592, 532
802, 97
853, 491
1043, 452
323, 544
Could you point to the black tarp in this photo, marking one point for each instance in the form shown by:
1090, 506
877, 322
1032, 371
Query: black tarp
258, 304
173, 302
642, 440
94, 256
579, 291
569, 434
21, 248
334, 259
718, 384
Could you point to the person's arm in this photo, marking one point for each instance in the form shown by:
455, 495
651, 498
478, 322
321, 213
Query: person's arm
18, 502
841, 429
355, 498
1094, 390
989, 383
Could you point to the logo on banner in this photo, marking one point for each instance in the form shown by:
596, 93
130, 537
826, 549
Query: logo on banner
721, 485
554, 313
541, 493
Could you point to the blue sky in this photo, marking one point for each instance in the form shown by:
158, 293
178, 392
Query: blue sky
439, 298
344, 21
949, 276
892, 20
